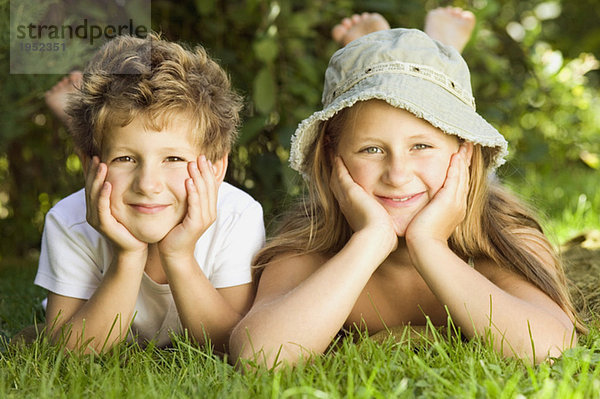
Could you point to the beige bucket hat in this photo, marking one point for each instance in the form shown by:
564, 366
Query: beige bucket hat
408, 70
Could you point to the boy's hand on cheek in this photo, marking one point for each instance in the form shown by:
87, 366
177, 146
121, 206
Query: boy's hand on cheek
447, 208
202, 191
98, 213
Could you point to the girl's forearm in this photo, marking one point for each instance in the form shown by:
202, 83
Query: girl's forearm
305, 319
518, 328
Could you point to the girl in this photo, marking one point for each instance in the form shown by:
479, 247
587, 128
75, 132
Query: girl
402, 221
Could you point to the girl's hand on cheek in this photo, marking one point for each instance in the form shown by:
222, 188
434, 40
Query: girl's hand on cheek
98, 213
361, 210
202, 192
447, 208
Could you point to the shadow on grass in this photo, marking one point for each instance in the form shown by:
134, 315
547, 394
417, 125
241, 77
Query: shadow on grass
20, 300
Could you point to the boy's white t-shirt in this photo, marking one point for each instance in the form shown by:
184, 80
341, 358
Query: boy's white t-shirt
74, 258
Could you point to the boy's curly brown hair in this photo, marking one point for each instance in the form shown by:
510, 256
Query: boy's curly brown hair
154, 80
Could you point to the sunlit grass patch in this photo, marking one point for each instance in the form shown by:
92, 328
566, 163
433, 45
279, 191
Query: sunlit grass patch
359, 367
568, 198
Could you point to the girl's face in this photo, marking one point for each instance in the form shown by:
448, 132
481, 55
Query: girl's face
395, 157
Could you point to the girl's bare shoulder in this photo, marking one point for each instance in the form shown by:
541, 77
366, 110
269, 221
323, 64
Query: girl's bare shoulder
294, 263
490, 269
504, 277
287, 271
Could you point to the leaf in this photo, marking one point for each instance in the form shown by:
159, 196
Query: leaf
590, 159
265, 49
250, 129
205, 7
264, 91
284, 135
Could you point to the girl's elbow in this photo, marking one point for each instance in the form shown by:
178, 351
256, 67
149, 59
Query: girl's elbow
550, 347
253, 352
563, 340
240, 344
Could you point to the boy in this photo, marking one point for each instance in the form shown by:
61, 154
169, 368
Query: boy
157, 242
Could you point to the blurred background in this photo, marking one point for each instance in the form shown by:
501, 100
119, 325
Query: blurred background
534, 67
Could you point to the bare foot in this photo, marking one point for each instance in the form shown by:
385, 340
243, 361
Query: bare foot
57, 96
450, 25
357, 26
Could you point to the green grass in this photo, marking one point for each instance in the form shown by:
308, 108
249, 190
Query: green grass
440, 367
568, 199
20, 300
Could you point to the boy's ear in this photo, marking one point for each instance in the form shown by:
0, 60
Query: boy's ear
220, 166
85, 162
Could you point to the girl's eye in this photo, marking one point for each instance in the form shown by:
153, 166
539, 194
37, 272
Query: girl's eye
175, 159
125, 158
421, 146
373, 150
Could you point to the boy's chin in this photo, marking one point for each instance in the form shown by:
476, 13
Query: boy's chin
150, 237
150, 233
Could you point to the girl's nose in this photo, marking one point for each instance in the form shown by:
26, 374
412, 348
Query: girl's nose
398, 171
148, 180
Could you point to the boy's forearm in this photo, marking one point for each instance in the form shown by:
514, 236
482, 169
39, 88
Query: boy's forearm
203, 311
105, 318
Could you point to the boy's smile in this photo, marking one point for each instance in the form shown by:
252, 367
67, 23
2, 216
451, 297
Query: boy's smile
147, 170
397, 158
149, 208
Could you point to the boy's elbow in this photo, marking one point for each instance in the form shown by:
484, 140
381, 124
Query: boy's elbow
78, 345
74, 340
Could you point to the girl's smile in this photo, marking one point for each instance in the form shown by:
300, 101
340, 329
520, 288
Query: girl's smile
397, 158
400, 201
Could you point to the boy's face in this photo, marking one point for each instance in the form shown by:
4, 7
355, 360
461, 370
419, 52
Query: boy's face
147, 170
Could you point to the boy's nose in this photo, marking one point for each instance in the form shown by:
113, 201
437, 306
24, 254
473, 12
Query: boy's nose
148, 180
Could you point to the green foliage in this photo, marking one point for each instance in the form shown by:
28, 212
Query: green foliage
539, 87
540, 100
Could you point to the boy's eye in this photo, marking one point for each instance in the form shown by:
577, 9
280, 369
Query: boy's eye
372, 150
175, 159
125, 158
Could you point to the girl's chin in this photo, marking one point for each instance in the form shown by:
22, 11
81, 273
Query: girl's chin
401, 226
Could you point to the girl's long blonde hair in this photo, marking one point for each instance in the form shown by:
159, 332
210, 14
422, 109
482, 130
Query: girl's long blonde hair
497, 225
